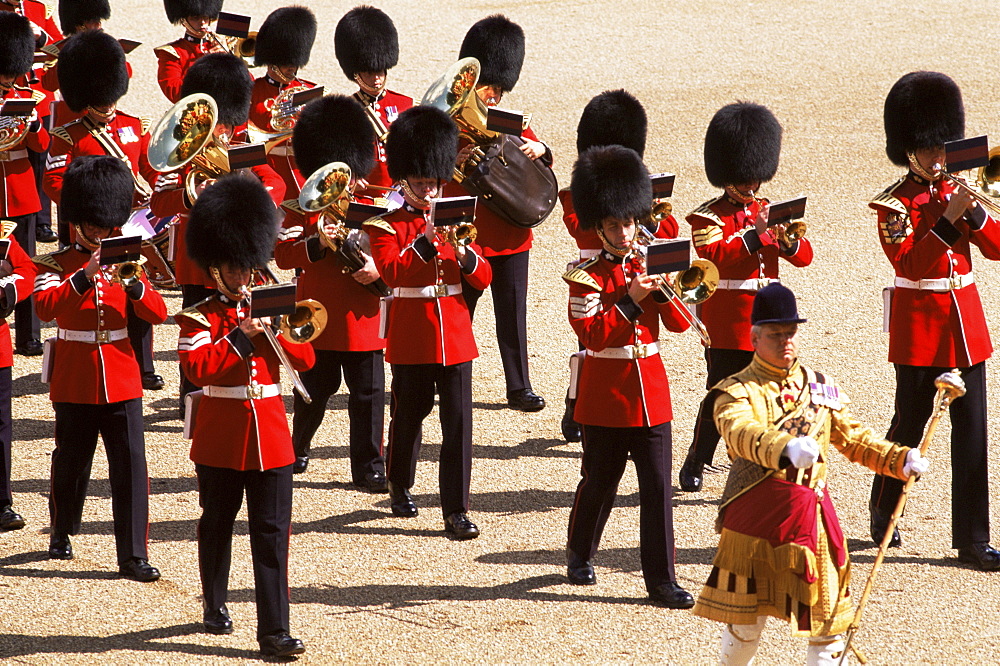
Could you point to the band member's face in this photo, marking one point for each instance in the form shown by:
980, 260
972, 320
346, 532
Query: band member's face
373, 80
747, 188
285, 73
197, 25
930, 159
101, 114
94, 232
235, 278
6, 81
776, 344
425, 188
489, 95
93, 24
618, 232
223, 133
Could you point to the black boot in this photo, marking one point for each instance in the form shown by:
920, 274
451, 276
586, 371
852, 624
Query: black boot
879, 524
571, 430
690, 474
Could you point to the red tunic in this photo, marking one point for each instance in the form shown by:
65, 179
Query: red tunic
944, 328
82, 372
40, 16
77, 138
229, 432
388, 106
173, 61
18, 193
619, 392
495, 236
588, 241
424, 330
15, 287
352, 310
281, 158
723, 232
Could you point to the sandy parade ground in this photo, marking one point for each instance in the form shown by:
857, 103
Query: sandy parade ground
367, 587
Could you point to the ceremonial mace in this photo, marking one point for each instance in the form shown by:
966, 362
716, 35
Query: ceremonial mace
949, 386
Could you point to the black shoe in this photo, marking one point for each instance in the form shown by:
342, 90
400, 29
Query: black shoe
217, 621
300, 464
982, 554
690, 475
879, 524
459, 525
525, 400
60, 548
580, 572
10, 520
280, 644
374, 482
152, 381
671, 595
45, 235
571, 430
140, 570
30, 348
401, 502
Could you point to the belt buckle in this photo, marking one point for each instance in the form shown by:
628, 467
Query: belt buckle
640, 350
440, 290
762, 282
255, 391
954, 282
102, 337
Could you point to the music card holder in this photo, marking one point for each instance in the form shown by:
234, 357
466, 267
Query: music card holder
233, 25
17, 107
668, 256
305, 96
245, 157
453, 210
272, 301
129, 45
359, 213
120, 249
786, 211
505, 122
663, 185
966, 154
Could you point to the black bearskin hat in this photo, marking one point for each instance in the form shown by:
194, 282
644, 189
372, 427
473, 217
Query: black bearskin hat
286, 38
17, 44
365, 41
742, 144
922, 110
225, 78
610, 181
74, 13
97, 189
334, 129
92, 70
178, 10
422, 143
614, 117
233, 222
498, 44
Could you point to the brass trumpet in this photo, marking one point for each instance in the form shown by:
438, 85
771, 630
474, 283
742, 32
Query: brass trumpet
241, 47
785, 233
127, 273
186, 133
460, 235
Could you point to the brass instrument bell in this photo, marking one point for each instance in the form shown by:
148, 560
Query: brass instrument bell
328, 189
305, 324
455, 94
186, 133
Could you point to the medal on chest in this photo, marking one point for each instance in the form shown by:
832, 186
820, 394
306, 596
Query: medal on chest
127, 135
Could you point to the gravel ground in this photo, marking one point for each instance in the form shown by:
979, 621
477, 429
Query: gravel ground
368, 587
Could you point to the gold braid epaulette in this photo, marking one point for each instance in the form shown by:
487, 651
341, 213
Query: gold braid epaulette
885, 199
706, 212
580, 275
379, 223
167, 48
7, 228
49, 260
293, 205
62, 133
194, 314
144, 123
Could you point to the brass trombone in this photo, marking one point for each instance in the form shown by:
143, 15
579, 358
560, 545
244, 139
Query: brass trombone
241, 47
186, 133
986, 178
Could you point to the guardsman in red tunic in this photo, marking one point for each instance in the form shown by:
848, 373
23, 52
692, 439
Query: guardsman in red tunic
19, 201
742, 148
624, 397
335, 129
283, 44
223, 77
240, 442
498, 44
927, 227
94, 379
93, 77
174, 59
613, 117
17, 276
367, 47
430, 342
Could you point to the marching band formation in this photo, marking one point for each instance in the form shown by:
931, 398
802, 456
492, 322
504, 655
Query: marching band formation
396, 216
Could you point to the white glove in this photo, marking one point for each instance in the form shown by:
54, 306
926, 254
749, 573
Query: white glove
916, 465
802, 451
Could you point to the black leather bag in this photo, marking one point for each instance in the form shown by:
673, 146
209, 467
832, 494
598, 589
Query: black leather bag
520, 190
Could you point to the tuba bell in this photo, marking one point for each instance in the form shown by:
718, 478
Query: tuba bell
186, 133
455, 94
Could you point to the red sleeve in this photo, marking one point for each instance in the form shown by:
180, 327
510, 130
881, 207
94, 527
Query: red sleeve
203, 360
60, 154
301, 356
482, 274
55, 296
291, 250
394, 261
169, 74
168, 194
22, 278
38, 141
668, 228
671, 316
801, 256
594, 323
150, 306
714, 246
148, 173
273, 183
987, 238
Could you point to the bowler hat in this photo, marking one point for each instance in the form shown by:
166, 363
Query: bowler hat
775, 304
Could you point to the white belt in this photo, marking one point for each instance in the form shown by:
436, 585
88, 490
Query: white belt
282, 151
93, 337
587, 254
433, 291
11, 155
937, 284
638, 350
251, 392
753, 284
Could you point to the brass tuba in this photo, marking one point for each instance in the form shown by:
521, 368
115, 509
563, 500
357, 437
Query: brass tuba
455, 94
186, 133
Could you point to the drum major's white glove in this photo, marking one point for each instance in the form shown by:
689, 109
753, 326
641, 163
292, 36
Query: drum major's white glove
916, 464
802, 451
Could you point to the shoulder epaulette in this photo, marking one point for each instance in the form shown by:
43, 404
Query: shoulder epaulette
7, 228
379, 223
63, 133
706, 212
53, 48
37, 96
48, 10
580, 275
293, 205
168, 49
195, 314
49, 260
886, 199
